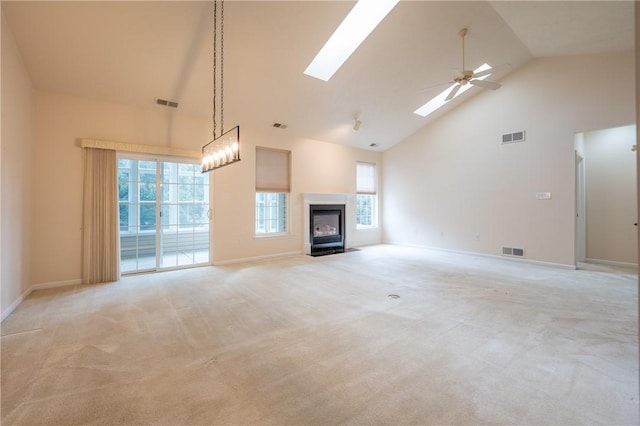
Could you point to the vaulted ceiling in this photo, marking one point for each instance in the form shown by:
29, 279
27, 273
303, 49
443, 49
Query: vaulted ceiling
135, 52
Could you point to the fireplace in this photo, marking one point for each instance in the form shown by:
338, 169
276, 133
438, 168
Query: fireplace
326, 228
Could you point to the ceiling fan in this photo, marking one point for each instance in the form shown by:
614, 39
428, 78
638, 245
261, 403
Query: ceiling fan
470, 77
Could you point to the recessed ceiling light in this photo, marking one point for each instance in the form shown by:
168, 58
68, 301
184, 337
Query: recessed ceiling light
359, 23
439, 100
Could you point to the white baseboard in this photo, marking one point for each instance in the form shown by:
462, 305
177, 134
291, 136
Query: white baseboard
56, 284
611, 263
255, 258
15, 304
491, 256
33, 288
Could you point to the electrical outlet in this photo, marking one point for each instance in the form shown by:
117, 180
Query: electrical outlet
543, 196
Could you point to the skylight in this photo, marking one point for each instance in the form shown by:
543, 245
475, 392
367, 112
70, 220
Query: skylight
439, 100
359, 23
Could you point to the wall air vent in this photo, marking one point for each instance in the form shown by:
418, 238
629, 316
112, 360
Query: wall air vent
164, 102
280, 126
512, 252
513, 137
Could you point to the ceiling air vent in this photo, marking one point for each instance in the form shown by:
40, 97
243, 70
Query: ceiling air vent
512, 252
164, 102
280, 126
513, 137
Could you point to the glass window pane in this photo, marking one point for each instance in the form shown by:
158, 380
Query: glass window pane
200, 213
148, 217
147, 177
199, 193
123, 185
147, 165
185, 215
147, 192
185, 192
185, 179
169, 214
201, 179
187, 168
169, 172
124, 217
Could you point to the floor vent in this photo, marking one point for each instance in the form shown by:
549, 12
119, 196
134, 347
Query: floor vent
512, 251
513, 137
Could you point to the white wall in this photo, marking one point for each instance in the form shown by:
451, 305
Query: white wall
611, 194
470, 193
317, 167
62, 120
16, 174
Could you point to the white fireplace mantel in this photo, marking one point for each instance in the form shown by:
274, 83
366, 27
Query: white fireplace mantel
320, 198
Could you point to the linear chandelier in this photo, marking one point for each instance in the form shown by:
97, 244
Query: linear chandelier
224, 149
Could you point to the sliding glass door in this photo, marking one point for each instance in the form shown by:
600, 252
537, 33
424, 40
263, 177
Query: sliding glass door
164, 214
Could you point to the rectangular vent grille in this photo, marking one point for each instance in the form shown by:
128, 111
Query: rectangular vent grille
513, 137
512, 251
164, 102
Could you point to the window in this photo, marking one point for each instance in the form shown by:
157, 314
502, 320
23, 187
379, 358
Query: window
271, 212
272, 189
366, 195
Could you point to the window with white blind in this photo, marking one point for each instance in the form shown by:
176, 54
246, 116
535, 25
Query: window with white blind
272, 191
366, 198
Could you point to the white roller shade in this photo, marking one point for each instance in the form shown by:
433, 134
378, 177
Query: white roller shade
272, 170
366, 178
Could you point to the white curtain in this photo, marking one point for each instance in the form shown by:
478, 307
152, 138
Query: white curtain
100, 251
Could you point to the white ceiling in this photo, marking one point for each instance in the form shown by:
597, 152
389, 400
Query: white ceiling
134, 52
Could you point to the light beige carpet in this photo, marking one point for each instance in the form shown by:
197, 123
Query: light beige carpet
302, 340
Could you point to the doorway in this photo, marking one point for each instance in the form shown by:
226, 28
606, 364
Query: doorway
164, 214
581, 224
606, 209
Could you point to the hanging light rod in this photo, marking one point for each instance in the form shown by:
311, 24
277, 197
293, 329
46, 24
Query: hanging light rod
359, 23
224, 149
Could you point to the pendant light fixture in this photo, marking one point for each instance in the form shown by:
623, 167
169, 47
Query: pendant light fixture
224, 149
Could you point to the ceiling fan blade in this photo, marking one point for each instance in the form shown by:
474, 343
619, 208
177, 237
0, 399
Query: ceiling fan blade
486, 84
483, 73
493, 70
434, 86
453, 92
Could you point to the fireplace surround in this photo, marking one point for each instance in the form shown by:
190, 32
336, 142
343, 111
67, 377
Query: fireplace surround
323, 199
